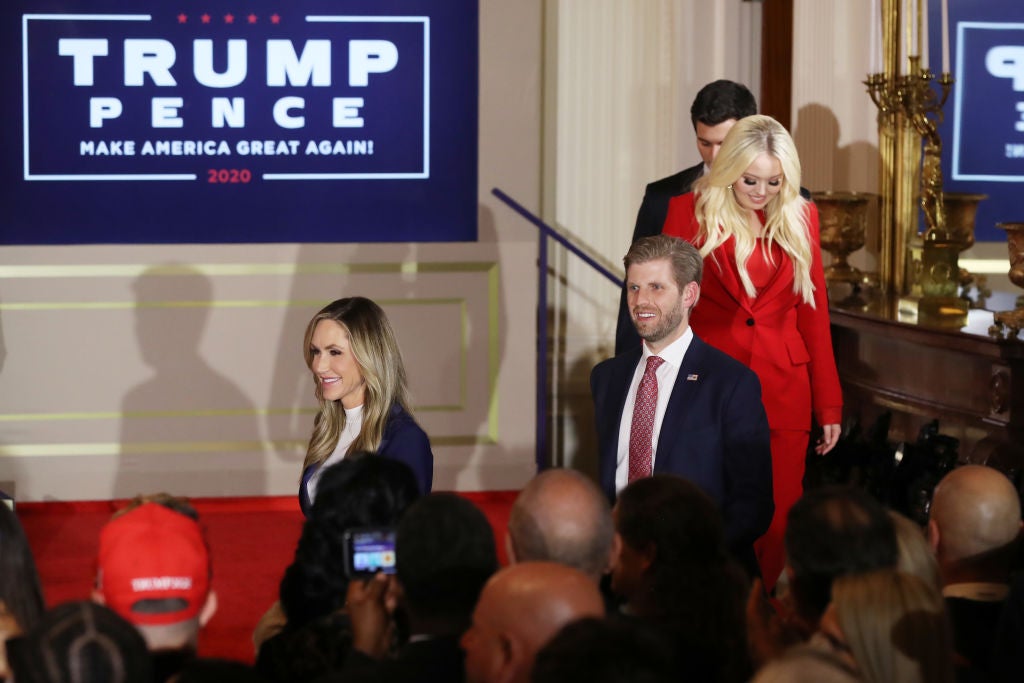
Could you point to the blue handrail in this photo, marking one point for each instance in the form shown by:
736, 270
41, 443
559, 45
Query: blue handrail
547, 231
557, 236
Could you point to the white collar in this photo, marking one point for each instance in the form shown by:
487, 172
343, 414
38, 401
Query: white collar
674, 352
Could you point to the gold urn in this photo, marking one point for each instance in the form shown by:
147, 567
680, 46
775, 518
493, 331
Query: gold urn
844, 219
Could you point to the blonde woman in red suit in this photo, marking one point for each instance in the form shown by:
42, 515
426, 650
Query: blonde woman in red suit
763, 298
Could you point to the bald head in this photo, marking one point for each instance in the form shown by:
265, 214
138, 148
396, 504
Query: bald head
562, 516
520, 609
975, 514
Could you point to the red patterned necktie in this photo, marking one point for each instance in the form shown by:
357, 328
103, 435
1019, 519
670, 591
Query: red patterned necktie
641, 430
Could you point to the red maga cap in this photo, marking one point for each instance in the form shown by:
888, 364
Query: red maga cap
153, 553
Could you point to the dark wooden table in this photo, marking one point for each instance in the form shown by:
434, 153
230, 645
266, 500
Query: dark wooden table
973, 384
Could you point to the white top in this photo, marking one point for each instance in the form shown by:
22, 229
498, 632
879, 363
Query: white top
353, 423
666, 374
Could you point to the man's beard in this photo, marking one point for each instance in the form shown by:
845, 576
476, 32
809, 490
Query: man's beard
668, 324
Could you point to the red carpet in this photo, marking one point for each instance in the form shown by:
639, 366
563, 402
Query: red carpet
252, 541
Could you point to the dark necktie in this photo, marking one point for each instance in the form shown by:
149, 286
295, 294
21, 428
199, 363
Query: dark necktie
641, 430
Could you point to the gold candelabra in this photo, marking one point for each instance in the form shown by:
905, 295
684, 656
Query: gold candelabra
910, 148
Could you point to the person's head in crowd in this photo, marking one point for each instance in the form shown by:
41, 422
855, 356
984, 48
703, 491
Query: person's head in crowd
806, 664
446, 553
890, 626
715, 110
154, 570
915, 555
562, 516
757, 170
592, 650
171, 502
520, 609
974, 525
80, 642
667, 529
354, 358
832, 531
360, 491
673, 568
21, 592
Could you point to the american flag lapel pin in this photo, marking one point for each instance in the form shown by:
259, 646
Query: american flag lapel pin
691, 377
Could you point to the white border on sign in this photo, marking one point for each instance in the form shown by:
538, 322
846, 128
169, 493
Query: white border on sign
27, 174
425, 173
961, 28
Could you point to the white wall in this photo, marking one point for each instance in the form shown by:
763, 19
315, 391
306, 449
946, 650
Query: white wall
626, 73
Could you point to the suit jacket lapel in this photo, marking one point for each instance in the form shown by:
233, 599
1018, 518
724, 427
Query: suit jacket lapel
780, 285
621, 377
620, 374
684, 394
724, 262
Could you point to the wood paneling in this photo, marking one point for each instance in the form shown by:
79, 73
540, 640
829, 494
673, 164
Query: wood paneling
777, 60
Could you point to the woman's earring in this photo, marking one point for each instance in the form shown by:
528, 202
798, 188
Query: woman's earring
730, 188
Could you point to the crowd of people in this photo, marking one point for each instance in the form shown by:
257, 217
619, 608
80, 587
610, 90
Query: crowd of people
642, 590
696, 555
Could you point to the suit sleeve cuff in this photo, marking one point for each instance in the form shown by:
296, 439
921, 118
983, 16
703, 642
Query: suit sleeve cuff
828, 416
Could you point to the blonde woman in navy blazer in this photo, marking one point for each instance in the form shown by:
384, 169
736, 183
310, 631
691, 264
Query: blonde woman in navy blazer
360, 384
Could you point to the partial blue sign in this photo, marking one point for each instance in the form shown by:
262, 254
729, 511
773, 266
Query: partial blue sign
988, 139
982, 133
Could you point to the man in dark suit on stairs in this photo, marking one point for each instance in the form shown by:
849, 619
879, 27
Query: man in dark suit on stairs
717, 107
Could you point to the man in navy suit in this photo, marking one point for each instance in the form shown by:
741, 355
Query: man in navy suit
706, 422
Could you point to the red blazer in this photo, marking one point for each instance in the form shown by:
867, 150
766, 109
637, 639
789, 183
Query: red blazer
779, 336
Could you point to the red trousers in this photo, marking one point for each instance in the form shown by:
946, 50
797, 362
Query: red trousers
789, 451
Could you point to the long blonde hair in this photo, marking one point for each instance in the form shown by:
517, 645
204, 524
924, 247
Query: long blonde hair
896, 627
786, 223
374, 348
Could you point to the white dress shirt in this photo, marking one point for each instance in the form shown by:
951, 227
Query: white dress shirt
666, 374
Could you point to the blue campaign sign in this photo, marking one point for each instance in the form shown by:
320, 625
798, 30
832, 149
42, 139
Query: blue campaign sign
983, 130
988, 141
155, 122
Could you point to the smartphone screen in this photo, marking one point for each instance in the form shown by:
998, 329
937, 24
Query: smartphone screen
369, 551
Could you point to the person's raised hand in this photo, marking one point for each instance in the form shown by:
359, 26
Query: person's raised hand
372, 626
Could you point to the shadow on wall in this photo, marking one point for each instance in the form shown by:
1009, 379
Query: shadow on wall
186, 402
291, 395
574, 437
7, 467
3, 345
579, 412
292, 388
827, 165
476, 468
